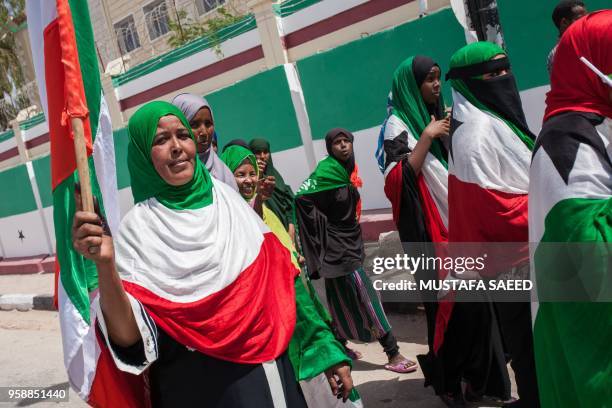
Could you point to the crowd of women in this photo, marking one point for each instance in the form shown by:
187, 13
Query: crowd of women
206, 289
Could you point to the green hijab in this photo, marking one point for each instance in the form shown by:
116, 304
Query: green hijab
409, 106
234, 155
146, 182
282, 201
476, 53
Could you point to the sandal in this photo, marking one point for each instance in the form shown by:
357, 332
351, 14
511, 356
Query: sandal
353, 354
403, 367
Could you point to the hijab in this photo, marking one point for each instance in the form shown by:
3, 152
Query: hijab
235, 155
351, 167
190, 105
146, 182
574, 87
498, 96
330, 137
408, 103
282, 200
236, 142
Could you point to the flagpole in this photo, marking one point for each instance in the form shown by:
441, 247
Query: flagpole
80, 150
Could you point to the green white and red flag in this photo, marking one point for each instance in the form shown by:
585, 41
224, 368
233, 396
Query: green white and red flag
69, 83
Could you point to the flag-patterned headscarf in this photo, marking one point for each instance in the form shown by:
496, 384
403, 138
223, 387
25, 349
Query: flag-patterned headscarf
574, 87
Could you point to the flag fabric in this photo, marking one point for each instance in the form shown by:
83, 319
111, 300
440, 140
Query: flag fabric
487, 182
432, 180
419, 201
570, 223
217, 260
570, 203
328, 175
68, 78
420, 207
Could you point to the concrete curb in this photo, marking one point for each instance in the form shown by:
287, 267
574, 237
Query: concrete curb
28, 265
25, 302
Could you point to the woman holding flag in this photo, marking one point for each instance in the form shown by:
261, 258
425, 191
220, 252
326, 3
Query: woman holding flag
188, 293
328, 207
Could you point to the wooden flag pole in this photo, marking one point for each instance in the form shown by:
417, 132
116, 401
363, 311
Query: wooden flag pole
80, 150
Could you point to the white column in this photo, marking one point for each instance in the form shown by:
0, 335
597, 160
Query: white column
299, 105
422, 8
24, 157
270, 32
111, 101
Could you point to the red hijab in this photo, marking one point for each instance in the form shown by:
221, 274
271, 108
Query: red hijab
574, 87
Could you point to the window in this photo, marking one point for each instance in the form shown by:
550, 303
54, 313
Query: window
127, 36
204, 6
156, 17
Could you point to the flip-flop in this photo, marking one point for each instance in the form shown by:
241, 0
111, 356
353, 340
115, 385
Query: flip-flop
353, 354
403, 367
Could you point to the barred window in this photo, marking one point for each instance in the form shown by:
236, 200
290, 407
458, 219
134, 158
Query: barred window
127, 35
156, 17
204, 6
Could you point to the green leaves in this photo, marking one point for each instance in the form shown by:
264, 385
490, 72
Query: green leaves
185, 30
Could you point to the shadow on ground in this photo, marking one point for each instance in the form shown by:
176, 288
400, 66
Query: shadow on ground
396, 393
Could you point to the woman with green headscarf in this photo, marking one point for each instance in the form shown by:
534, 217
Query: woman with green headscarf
328, 207
314, 352
413, 157
413, 154
282, 201
195, 293
488, 182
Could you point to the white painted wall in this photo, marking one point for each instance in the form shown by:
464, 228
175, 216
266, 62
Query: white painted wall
34, 243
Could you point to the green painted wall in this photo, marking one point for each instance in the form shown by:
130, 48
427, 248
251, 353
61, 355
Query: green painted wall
530, 34
42, 171
348, 86
120, 137
259, 106
17, 195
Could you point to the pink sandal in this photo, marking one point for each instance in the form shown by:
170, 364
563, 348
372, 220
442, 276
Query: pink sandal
403, 367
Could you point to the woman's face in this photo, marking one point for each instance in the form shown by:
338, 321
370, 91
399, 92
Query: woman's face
499, 72
246, 178
203, 128
173, 151
431, 86
262, 155
342, 148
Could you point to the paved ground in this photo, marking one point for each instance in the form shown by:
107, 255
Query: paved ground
38, 284
31, 355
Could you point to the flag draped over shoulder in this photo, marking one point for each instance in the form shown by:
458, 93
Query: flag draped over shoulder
68, 78
494, 179
570, 223
328, 175
489, 156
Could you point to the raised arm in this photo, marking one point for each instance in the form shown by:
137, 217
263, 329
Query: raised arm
434, 130
91, 241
